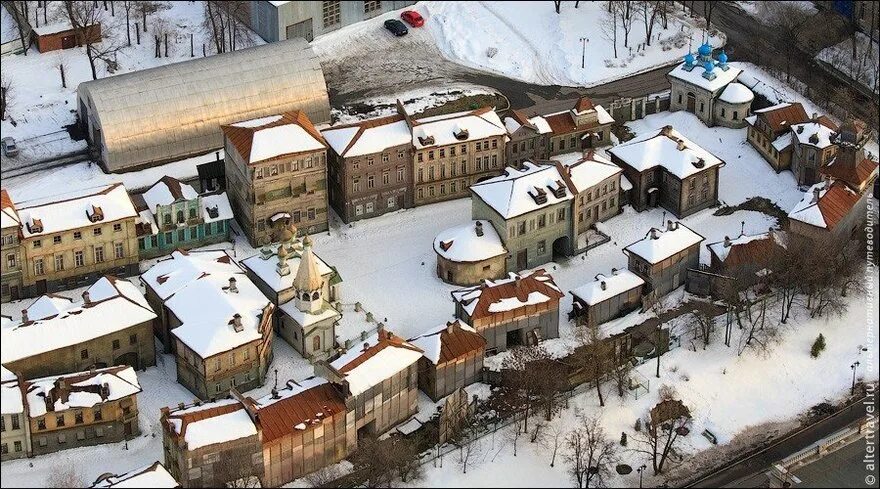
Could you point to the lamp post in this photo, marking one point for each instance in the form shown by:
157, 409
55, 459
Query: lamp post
854, 366
584, 41
640, 470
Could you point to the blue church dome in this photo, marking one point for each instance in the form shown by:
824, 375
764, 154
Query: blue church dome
689, 59
705, 50
722, 58
709, 66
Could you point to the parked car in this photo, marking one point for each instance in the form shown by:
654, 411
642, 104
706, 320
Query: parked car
413, 18
396, 27
10, 149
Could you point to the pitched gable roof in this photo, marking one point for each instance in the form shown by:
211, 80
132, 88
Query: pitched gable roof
449, 342
273, 137
298, 407
780, 117
510, 294
368, 137
825, 204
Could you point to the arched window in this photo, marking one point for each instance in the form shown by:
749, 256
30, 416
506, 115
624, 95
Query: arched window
305, 296
180, 217
316, 343
316, 295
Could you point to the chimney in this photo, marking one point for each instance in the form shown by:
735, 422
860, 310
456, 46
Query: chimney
275, 393
727, 242
479, 228
800, 129
366, 347
24, 316
680, 146
816, 191
670, 226
180, 405
603, 285
232, 287
86, 297
827, 182
449, 325
815, 117
666, 131
236, 323
613, 271
653, 233
105, 391
380, 330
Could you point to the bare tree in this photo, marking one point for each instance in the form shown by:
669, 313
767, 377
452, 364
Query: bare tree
788, 20
627, 18
647, 10
703, 326
236, 471
19, 11
553, 436
708, 8
223, 26
621, 374
609, 23
589, 453
85, 20
380, 463
128, 5
5, 94
324, 476
668, 420
524, 372
594, 356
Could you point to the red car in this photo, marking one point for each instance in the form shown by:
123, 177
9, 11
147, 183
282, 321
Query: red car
413, 18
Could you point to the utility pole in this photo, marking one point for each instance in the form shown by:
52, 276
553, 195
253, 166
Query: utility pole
584, 41
854, 366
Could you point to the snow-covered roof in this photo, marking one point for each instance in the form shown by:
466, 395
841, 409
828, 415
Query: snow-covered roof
216, 207
813, 134
824, 204
73, 210
695, 76
207, 309
171, 274
448, 341
591, 171
507, 294
49, 305
749, 247
10, 394
306, 319
668, 148
603, 115
167, 191
265, 138
478, 124
81, 389
211, 423
518, 192
540, 123
605, 287
660, 244
196, 288
154, 475
60, 24
8, 215
115, 305
266, 268
297, 407
368, 137
463, 244
736, 93
370, 362
782, 141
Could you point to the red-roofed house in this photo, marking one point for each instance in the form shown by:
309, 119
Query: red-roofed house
522, 309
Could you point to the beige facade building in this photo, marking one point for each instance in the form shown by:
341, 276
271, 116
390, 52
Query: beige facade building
595, 184
276, 174
218, 320
111, 325
769, 132
10, 249
454, 151
470, 253
82, 409
70, 240
15, 438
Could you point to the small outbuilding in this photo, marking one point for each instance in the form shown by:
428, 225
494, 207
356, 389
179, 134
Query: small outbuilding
607, 297
469, 254
452, 359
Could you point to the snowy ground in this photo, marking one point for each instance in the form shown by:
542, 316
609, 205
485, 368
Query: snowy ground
726, 393
765, 12
864, 67
532, 42
40, 107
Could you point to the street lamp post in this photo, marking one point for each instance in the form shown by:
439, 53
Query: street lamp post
584, 41
854, 366
640, 470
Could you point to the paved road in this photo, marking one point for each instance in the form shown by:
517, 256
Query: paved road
749, 472
749, 40
842, 468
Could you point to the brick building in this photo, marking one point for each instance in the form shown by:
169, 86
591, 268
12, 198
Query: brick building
370, 167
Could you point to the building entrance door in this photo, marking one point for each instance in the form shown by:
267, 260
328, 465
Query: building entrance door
692, 103
522, 260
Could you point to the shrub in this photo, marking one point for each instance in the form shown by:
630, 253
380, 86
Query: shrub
818, 346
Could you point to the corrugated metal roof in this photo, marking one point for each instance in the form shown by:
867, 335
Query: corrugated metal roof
170, 112
305, 409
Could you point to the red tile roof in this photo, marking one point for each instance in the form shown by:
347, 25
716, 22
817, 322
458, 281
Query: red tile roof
837, 202
386, 339
519, 287
455, 341
782, 118
843, 168
242, 137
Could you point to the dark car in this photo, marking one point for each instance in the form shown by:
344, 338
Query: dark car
396, 27
413, 18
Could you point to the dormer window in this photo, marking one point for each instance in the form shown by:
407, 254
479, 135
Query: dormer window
539, 195
814, 138
213, 212
460, 133
559, 190
35, 226
95, 213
